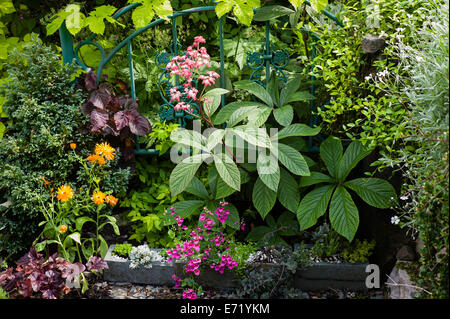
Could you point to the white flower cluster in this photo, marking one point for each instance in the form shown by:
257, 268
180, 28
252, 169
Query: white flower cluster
144, 256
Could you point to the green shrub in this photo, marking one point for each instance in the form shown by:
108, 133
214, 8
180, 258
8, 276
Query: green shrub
46, 112
359, 251
423, 88
122, 250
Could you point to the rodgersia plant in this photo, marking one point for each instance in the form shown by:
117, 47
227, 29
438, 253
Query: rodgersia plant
206, 245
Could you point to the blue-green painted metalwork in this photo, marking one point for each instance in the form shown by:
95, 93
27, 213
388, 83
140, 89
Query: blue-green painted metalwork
268, 59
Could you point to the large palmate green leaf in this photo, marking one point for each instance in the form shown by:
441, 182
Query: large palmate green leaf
228, 170
331, 153
288, 193
263, 198
256, 89
374, 191
314, 205
183, 173
292, 160
353, 154
344, 216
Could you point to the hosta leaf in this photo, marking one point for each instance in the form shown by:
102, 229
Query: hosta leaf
344, 215
374, 191
314, 205
288, 193
263, 198
331, 153
292, 160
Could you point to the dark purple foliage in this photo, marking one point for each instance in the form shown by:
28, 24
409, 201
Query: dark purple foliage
96, 264
49, 278
111, 113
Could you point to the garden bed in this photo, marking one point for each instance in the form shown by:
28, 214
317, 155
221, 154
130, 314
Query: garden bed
318, 276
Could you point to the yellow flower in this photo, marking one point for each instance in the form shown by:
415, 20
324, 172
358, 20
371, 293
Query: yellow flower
63, 229
98, 197
65, 193
110, 199
105, 150
73, 146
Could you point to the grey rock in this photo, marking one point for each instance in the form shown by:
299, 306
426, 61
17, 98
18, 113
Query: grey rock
406, 253
401, 286
373, 44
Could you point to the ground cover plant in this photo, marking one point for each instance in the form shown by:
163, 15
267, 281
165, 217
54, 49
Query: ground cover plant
294, 130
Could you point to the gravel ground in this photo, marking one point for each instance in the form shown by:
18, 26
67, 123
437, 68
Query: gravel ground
107, 290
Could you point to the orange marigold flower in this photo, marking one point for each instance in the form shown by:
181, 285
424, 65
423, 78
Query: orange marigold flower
62, 229
73, 146
110, 199
98, 197
46, 182
94, 158
105, 150
65, 193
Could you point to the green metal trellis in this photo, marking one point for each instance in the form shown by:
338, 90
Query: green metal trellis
267, 59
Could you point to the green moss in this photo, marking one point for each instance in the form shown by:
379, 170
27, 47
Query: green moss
358, 251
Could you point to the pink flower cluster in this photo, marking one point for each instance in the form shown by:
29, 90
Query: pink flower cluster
189, 294
201, 244
188, 67
225, 262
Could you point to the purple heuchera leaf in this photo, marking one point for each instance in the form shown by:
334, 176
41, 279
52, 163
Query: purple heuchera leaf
96, 263
99, 118
72, 271
90, 81
121, 119
139, 125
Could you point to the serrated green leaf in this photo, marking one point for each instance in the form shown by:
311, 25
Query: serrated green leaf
354, 153
183, 173
256, 89
313, 206
344, 215
331, 153
263, 198
292, 160
284, 115
268, 170
197, 188
315, 178
296, 130
226, 111
374, 191
228, 170
271, 12
288, 193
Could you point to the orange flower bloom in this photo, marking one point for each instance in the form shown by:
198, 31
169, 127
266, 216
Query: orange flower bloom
73, 146
96, 159
110, 199
63, 229
46, 182
65, 193
105, 150
98, 197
